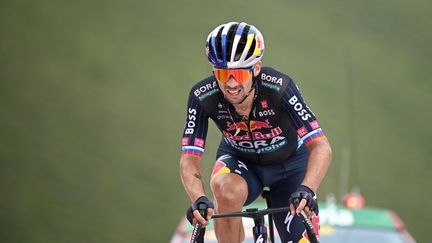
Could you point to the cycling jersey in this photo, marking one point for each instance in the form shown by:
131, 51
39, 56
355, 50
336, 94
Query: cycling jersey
278, 124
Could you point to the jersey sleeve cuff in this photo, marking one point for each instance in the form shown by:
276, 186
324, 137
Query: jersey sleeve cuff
193, 150
312, 136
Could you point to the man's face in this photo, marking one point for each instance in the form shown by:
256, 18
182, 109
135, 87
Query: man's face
239, 84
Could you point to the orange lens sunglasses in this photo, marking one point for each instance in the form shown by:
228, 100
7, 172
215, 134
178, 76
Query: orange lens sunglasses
240, 75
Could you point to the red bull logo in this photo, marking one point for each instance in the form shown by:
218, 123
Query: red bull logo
253, 125
256, 125
237, 126
274, 132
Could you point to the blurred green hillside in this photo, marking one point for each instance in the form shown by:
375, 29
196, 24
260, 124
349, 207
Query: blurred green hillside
93, 96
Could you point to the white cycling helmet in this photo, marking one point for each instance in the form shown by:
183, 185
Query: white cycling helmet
234, 45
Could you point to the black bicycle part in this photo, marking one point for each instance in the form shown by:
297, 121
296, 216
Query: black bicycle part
199, 230
308, 224
257, 216
265, 194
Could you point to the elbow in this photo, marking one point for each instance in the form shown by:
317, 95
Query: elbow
328, 150
322, 147
330, 154
189, 161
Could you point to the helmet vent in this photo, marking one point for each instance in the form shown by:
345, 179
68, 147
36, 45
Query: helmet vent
230, 40
219, 45
242, 43
251, 49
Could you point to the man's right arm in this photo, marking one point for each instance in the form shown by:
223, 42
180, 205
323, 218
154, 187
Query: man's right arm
193, 142
190, 173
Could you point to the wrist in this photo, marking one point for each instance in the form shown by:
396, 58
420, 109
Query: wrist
307, 188
195, 198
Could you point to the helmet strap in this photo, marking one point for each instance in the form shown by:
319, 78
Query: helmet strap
251, 89
245, 97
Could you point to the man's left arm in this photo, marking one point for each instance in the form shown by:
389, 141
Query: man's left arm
312, 136
320, 155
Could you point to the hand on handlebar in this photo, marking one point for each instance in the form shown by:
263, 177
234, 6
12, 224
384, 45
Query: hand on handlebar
303, 199
201, 207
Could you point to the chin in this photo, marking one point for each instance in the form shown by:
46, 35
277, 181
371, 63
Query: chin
232, 99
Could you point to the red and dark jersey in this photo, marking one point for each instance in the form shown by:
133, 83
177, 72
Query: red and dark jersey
278, 124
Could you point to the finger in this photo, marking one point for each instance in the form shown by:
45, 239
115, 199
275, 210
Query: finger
301, 205
308, 211
209, 213
198, 217
292, 209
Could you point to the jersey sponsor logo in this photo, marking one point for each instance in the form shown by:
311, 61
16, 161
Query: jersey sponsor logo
255, 135
257, 125
302, 131
185, 141
208, 94
314, 124
253, 140
298, 107
190, 123
269, 112
253, 125
288, 220
260, 239
264, 104
242, 165
271, 79
199, 142
260, 146
237, 126
221, 117
206, 90
271, 86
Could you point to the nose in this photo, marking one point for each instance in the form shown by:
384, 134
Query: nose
232, 82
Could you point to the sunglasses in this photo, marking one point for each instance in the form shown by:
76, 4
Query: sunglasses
240, 75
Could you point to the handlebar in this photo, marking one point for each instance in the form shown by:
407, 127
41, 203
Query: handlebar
255, 214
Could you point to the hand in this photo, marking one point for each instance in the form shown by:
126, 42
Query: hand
193, 213
303, 199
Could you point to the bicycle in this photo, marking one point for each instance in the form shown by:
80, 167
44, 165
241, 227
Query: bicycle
259, 230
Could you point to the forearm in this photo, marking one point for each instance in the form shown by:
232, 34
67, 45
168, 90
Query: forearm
190, 173
319, 160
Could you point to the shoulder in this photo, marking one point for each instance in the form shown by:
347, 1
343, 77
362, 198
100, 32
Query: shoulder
204, 88
274, 80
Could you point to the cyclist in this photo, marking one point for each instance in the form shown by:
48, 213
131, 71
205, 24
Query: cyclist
270, 137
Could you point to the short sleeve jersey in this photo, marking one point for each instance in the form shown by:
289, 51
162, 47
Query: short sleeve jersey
278, 124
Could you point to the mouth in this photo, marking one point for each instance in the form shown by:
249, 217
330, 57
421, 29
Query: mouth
233, 92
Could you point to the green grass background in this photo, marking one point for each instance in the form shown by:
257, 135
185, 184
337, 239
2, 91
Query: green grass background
93, 96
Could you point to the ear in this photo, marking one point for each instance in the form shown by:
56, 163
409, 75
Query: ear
257, 68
